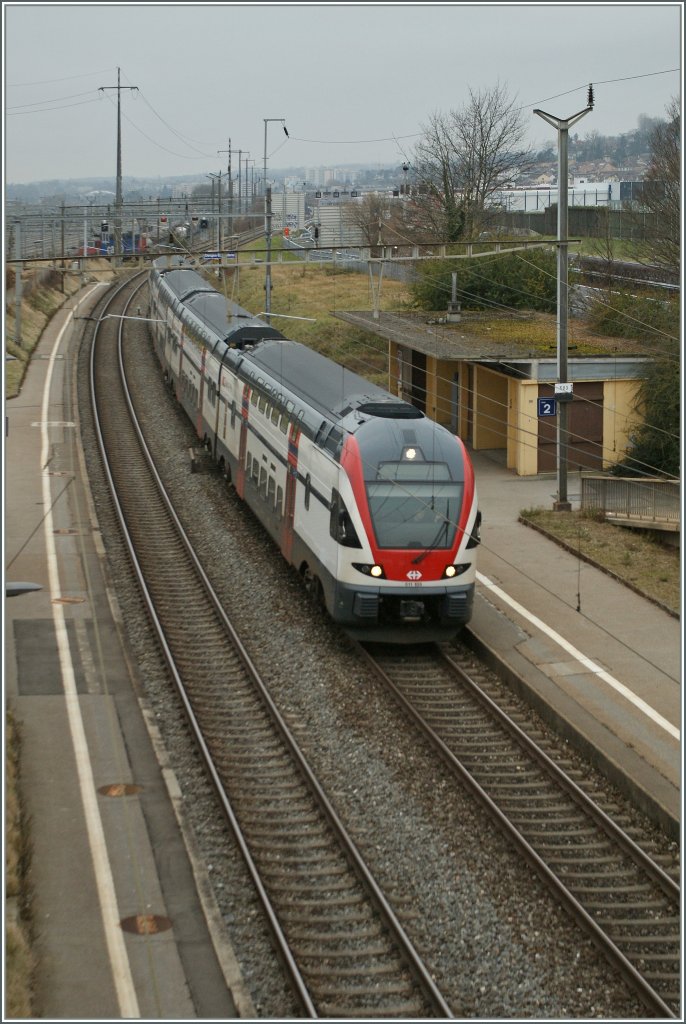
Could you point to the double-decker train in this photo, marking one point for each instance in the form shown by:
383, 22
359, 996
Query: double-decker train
372, 502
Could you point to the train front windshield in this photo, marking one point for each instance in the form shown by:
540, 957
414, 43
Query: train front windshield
414, 505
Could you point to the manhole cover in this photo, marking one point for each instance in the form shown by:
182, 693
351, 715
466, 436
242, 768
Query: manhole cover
146, 924
120, 789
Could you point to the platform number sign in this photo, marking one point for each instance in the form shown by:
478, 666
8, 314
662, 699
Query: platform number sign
547, 407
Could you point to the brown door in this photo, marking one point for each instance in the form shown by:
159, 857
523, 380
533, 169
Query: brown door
585, 426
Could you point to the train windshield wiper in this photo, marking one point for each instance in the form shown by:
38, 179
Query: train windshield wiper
443, 529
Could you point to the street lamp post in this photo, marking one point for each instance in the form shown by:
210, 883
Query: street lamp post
563, 125
268, 221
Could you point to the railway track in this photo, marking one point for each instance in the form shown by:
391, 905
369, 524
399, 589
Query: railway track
224, 730
628, 903
341, 945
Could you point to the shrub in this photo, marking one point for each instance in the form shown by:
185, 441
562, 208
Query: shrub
513, 280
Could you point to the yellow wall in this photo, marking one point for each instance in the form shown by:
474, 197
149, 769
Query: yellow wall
505, 409
619, 418
490, 409
523, 428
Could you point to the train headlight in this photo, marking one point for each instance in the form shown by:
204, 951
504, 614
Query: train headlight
451, 571
375, 570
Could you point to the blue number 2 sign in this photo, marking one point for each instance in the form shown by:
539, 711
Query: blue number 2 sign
547, 407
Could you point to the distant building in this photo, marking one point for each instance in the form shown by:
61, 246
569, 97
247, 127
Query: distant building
581, 192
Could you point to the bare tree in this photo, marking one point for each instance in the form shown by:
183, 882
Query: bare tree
380, 221
465, 157
368, 216
661, 193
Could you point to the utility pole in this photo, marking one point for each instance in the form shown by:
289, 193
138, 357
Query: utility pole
268, 221
228, 170
563, 389
218, 178
118, 197
240, 190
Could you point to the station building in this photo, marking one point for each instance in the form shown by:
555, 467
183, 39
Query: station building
497, 394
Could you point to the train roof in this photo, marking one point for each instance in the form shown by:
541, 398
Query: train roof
227, 320
326, 386
232, 323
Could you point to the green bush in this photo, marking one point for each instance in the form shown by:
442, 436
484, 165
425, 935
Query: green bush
640, 317
527, 281
655, 444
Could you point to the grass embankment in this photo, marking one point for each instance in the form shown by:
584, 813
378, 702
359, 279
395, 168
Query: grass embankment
39, 304
632, 556
317, 290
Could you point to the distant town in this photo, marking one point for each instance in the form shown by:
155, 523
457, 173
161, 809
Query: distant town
594, 158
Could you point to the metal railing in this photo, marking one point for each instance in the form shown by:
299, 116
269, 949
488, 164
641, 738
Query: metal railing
645, 501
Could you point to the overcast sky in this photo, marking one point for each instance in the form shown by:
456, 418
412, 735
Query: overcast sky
354, 82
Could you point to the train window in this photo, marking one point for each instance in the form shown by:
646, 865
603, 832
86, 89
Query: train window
255, 470
279, 500
340, 524
271, 490
262, 403
322, 432
263, 480
276, 412
333, 440
308, 489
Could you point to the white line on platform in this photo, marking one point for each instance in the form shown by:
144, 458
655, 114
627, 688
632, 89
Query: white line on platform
582, 659
121, 970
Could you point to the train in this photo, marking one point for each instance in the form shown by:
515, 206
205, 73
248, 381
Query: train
372, 502
139, 244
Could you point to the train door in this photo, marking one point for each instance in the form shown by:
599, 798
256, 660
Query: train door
287, 525
201, 393
243, 442
179, 379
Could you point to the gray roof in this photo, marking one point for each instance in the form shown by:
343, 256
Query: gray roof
455, 342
